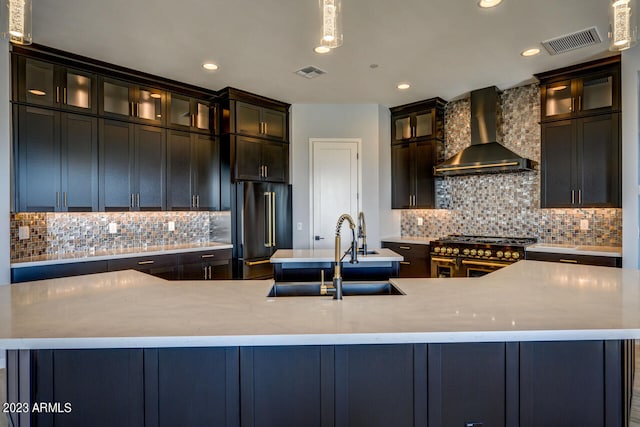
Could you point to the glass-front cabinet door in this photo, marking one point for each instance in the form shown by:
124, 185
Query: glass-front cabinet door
189, 114
51, 85
596, 93
559, 101
116, 98
424, 124
402, 128
148, 105
125, 100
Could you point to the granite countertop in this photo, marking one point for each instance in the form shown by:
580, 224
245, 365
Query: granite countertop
611, 251
328, 255
52, 259
409, 240
527, 301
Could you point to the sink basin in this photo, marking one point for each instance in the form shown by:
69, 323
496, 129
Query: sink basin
361, 252
311, 289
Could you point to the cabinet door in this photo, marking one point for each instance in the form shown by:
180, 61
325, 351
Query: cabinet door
467, 384
78, 91
248, 159
38, 149
402, 128
79, 146
150, 168
180, 191
149, 105
598, 93
423, 124
104, 387
180, 112
248, 119
207, 170
116, 166
192, 387
599, 154
164, 266
116, 98
37, 82
203, 116
275, 158
274, 124
557, 100
401, 175
558, 165
424, 155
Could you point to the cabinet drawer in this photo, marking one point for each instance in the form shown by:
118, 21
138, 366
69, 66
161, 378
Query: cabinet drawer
575, 259
142, 263
408, 250
26, 274
204, 256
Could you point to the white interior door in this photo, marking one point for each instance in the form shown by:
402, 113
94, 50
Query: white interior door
334, 188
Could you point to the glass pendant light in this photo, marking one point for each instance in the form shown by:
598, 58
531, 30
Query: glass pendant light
623, 24
17, 21
331, 11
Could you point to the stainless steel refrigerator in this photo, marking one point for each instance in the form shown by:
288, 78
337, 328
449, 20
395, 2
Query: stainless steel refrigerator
260, 224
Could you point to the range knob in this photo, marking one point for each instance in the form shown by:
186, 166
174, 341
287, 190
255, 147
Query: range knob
500, 254
515, 255
449, 250
455, 251
473, 252
480, 252
507, 254
487, 253
465, 251
436, 249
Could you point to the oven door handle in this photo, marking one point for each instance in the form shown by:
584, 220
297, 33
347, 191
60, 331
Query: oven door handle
484, 263
448, 260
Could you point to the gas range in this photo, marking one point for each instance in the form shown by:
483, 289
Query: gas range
469, 256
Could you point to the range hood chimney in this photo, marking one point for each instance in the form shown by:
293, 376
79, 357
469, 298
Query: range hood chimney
485, 154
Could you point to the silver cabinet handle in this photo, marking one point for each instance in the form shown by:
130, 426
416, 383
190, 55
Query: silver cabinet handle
64, 95
261, 169
64, 199
210, 272
198, 201
408, 248
57, 94
138, 199
569, 261
145, 262
573, 197
273, 218
132, 201
405, 263
579, 197
204, 270
266, 128
193, 200
266, 171
267, 225
57, 199
208, 256
579, 103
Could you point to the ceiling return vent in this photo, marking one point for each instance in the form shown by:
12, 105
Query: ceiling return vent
569, 42
310, 72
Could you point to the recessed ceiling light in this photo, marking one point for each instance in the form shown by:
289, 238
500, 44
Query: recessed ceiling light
210, 66
403, 86
322, 49
489, 3
531, 52
37, 92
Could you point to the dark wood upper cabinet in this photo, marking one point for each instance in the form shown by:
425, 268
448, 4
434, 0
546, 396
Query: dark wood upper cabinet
56, 159
582, 90
412, 179
260, 160
129, 101
193, 171
51, 85
186, 113
419, 120
581, 154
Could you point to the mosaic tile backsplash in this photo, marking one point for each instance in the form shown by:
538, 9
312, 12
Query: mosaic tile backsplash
59, 233
507, 204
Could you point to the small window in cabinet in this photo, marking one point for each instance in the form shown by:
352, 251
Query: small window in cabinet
558, 99
150, 106
180, 111
116, 98
78, 92
597, 93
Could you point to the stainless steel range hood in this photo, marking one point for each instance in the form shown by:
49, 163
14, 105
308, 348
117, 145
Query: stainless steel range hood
485, 154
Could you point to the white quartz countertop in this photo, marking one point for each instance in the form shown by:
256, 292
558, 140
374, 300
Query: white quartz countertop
410, 240
52, 259
328, 255
527, 301
611, 251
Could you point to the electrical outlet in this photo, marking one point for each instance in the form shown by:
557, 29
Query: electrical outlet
171, 226
584, 224
299, 226
113, 228
23, 232
420, 221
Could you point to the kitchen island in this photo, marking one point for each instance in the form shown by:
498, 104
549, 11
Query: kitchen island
535, 343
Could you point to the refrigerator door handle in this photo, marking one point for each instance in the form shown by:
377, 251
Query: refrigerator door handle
267, 222
273, 218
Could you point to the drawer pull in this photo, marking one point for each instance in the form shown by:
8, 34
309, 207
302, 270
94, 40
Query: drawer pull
443, 260
406, 247
405, 262
208, 256
484, 263
145, 262
252, 263
569, 261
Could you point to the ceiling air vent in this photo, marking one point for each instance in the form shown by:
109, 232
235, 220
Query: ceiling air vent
310, 72
568, 42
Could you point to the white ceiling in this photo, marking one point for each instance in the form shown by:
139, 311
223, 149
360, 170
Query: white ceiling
442, 47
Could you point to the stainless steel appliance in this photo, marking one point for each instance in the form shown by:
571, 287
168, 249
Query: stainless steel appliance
260, 224
473, 256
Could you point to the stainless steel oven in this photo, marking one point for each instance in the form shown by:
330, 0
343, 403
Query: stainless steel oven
474, 256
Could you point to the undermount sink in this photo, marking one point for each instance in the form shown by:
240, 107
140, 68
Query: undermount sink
312, 289
361, 252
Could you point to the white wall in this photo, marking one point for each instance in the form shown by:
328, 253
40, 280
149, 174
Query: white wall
340, 121
389, 218
630, 157
5, 161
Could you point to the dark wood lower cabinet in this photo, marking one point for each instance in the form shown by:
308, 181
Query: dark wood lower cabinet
605, 261
417, 260
581, 383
